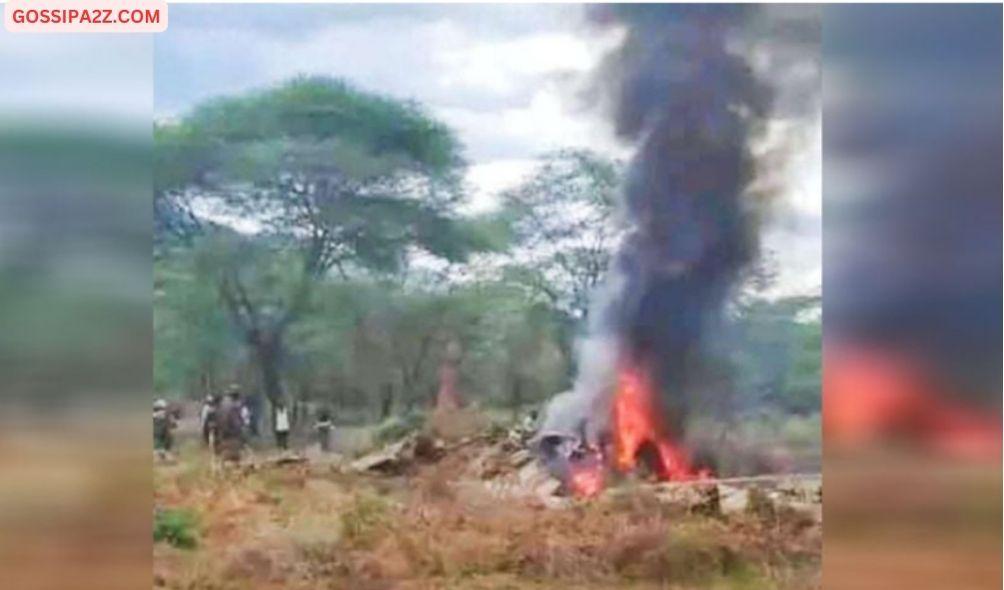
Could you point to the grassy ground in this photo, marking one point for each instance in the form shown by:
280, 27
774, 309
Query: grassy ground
308, 526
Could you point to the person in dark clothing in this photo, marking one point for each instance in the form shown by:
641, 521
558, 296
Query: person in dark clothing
163, 426
324, 427
230, 428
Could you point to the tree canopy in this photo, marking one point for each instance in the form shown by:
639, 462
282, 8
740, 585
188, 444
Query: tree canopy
329, 178
565, 227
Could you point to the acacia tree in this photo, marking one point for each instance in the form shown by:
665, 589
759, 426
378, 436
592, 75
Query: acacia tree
301, 182
565, 228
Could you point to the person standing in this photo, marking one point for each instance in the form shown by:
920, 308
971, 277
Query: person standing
207, 419
282, 424
253, 404
246, 418
163, 426
230, 427
324, 427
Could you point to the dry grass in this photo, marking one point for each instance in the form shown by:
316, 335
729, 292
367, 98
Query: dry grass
291, 528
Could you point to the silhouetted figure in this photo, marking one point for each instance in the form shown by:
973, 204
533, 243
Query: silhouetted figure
230, 427
324, 427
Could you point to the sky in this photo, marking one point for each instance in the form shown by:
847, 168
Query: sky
511, 80
92, 80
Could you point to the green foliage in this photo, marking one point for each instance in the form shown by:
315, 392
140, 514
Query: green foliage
176, 527
778, 357
362, 339
309, 126
801, 393
357, 338
319, 109
564, 227
324, 180
316, 158
183, 154
195, 344
522, 354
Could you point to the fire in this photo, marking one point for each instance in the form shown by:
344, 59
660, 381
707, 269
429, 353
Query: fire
874, 395
638, 432
637, 424
586, 481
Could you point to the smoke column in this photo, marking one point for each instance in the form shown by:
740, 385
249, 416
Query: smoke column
680, 91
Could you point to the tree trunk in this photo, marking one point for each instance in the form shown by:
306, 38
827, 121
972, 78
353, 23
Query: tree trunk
516, 396
448, 396
386, 401
266, 351
207, 385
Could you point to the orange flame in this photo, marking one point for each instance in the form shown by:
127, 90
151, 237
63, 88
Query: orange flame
637, 426
637, 423
873, 395
587, 481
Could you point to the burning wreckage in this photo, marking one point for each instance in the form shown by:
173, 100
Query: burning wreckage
635, 439
693, 106
557, 470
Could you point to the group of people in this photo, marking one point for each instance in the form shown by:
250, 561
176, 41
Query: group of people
229, 422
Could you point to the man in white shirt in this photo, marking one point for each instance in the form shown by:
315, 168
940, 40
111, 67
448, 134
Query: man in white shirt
282, 424
207, 419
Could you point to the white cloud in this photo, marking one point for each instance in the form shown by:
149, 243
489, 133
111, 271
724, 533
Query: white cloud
491, 178
793, 235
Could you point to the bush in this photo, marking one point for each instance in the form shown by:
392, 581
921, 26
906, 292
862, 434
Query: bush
176, 527
364, 520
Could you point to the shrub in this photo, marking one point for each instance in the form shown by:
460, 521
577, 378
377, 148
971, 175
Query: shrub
363, 520
176, 527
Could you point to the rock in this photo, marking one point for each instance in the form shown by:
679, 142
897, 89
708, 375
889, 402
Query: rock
398, 456
388, 459
521, 458
701, 498
289, 460
547, 488
732, 500
811, 511
530, 473
426, 448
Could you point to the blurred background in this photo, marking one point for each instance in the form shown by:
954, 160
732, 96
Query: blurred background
912, 306
75, 328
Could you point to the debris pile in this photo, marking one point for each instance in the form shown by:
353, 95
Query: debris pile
401, 456
504, 464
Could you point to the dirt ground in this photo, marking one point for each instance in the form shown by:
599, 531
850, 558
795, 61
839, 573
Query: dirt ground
310, 525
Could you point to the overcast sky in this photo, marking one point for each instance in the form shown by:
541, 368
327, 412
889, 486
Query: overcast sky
509, 79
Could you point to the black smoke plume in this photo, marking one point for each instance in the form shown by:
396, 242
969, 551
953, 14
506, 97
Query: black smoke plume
693, 105
682, 89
